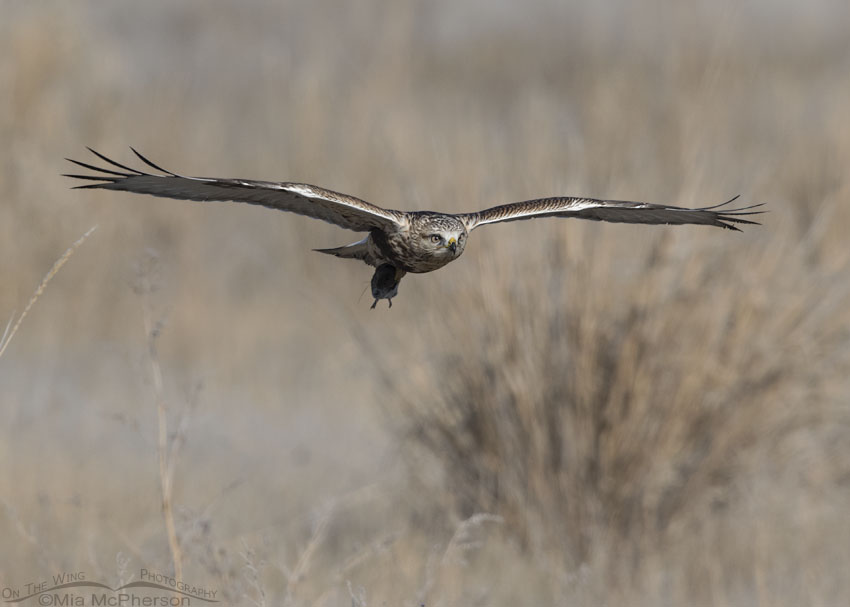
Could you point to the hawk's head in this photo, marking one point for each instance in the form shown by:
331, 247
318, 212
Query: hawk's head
440, 235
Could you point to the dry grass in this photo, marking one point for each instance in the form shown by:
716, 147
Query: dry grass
571, 414
611, 420
15, 323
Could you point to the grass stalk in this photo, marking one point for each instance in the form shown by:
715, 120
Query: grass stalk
11, 328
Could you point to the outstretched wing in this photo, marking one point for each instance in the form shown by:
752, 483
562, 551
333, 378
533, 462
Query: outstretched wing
339, 209
612, 210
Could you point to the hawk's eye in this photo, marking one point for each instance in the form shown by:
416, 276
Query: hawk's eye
436, 238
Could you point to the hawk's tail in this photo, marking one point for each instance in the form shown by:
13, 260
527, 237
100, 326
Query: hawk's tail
355, 250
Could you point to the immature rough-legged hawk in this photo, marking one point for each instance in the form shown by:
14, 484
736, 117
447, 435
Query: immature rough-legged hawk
397, 242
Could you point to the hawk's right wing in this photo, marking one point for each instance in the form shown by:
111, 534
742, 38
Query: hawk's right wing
339, 209
619, 211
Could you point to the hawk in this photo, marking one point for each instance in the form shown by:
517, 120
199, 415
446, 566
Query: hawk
396, 242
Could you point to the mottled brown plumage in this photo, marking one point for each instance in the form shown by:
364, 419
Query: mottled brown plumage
397, 242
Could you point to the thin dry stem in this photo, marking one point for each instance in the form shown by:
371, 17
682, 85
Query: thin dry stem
166, 468
8, 334
303, 565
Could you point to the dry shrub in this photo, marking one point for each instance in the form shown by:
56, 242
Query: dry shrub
604, 396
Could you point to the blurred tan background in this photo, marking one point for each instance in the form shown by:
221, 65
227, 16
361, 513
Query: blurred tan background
571, 414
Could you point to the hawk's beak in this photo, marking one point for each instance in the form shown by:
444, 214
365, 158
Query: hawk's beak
453, 245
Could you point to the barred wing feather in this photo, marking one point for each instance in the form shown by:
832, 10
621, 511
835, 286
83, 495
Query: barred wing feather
336, 208
613, 210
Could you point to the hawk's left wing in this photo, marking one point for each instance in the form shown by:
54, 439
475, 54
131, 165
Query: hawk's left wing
611, 210
310, 200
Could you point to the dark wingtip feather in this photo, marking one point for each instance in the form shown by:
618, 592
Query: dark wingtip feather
725, 222
151, 164
112, 162
92, 178
737, 211
740, 210
722, 204
92, 167
90, 186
